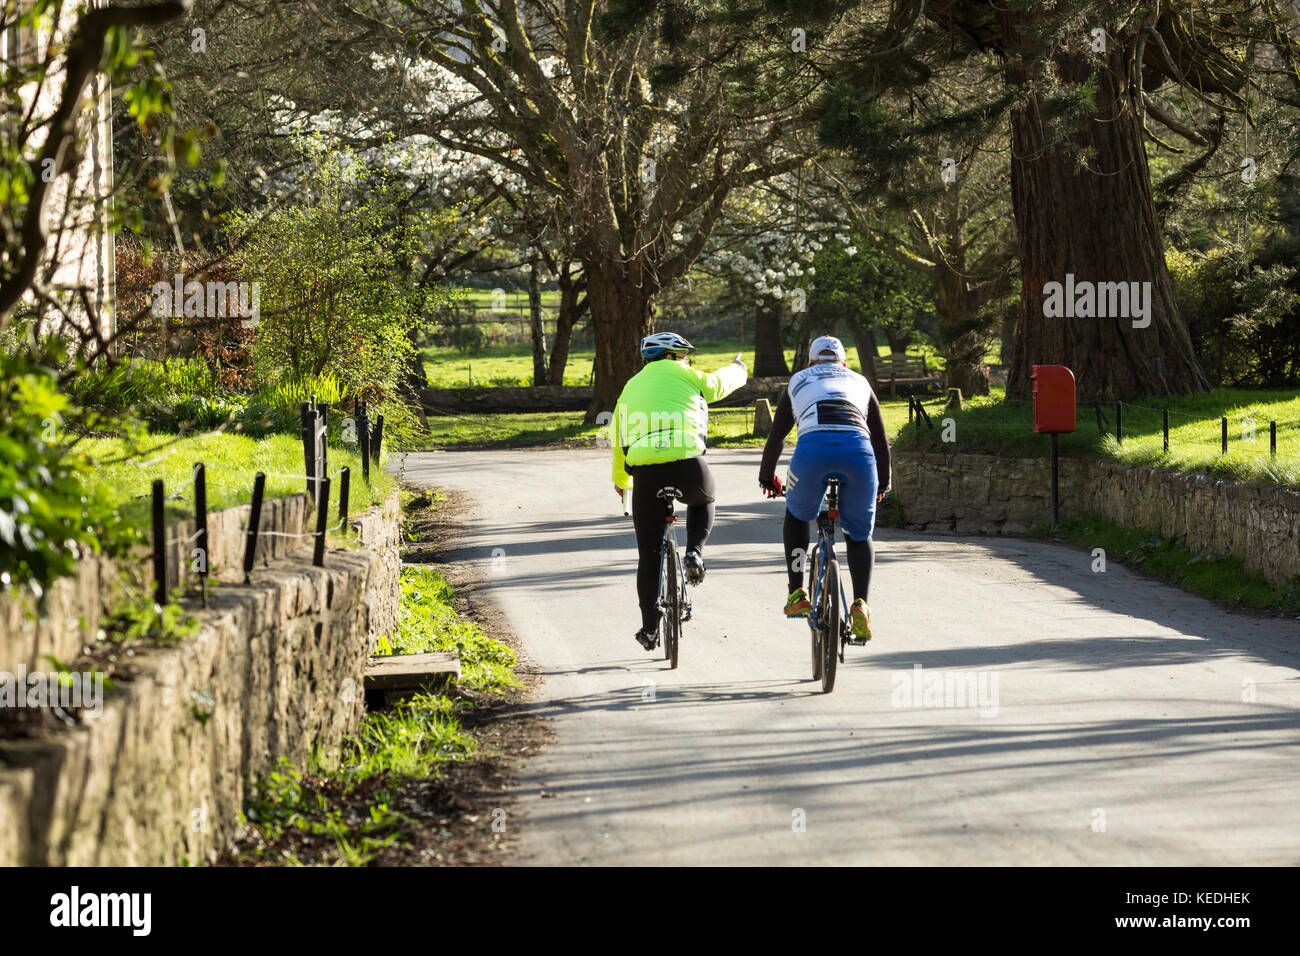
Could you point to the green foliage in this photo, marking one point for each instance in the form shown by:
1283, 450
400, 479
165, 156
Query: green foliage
285, 802
288, 394
45, 525
428, 621
334, 297
174, 396
1241, 308
409, 740
870, 288
139, 619
468, 338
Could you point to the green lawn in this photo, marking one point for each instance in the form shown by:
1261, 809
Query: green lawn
125, 483
516, 299
992, 426
512, 365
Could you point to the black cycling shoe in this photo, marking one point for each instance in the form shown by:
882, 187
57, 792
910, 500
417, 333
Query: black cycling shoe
648, 639
694, 565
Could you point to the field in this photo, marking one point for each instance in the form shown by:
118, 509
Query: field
512, 365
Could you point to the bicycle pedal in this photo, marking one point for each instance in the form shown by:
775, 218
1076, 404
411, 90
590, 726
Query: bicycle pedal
857, 641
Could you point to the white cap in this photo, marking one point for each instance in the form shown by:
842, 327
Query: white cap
826, 346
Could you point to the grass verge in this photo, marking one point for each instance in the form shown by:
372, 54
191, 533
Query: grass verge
387, 799
1221, 578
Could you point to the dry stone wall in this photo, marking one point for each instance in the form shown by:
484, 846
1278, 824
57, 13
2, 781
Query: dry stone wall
986, 494
275, 670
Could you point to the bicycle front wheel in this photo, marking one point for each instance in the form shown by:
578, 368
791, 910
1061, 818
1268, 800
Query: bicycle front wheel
672, 604
828, 621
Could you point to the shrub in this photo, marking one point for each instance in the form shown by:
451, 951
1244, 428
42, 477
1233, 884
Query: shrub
44, 524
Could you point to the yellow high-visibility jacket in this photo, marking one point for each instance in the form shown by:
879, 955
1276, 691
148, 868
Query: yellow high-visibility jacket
663, 414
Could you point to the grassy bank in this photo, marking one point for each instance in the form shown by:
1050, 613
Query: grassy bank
123, 474
380, 800
993, 426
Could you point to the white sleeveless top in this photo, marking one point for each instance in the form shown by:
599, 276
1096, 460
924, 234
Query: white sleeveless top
829, 397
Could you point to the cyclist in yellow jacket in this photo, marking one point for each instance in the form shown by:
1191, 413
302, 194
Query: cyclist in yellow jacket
658, 434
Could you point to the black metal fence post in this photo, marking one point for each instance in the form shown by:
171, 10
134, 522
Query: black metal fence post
1166, 427
254, 524
323, 411
363, 439
308, 446
201, 526
378, 439
1272, 439
1119, 422
1224, 440
345, 478
322, 519
159, 546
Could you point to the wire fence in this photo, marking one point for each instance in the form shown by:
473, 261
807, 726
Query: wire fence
1179, 433
317, 480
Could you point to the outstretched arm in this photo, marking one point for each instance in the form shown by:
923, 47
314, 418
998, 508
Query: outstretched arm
718, 385
782, 423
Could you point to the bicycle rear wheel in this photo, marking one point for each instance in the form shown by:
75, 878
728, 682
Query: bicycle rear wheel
814, 575
829, 624
671, 621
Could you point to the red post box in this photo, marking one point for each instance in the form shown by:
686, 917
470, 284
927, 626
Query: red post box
1053, 399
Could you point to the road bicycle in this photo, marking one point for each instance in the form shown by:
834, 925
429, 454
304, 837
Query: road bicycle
674, 606
827, 621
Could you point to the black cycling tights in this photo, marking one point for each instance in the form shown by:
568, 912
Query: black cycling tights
694, 480
861, 556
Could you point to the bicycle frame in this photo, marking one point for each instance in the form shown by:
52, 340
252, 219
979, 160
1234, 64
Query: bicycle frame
670, 535
826, 548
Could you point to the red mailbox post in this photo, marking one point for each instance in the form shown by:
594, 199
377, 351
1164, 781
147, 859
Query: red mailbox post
1054, 412
1054, 409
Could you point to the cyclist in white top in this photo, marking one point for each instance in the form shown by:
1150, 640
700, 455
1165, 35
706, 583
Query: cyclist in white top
841, 434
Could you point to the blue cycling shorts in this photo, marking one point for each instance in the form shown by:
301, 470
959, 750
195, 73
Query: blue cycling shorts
846, 455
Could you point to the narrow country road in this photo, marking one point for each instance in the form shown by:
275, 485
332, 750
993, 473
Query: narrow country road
1123, 722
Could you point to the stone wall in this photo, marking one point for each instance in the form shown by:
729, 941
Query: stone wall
70, 616
274, 671
985, 494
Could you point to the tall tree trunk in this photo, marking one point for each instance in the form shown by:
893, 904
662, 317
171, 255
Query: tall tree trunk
570, 309
769, 355
865, 341
898, 341
621, 310
955, 304
1098, 223
535, 320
